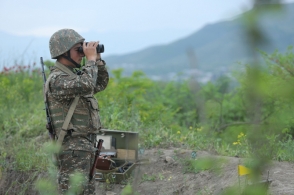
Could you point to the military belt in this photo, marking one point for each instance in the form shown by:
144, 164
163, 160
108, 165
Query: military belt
90, 136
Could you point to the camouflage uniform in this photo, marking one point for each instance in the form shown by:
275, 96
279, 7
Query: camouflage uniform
77, 152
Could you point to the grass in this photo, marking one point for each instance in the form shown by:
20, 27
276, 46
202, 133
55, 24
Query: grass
23, 119
147, 177
134, 103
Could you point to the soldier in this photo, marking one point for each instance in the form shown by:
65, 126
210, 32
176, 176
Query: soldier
72, 105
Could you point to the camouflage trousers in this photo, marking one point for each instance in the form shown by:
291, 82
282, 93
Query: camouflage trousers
74, 162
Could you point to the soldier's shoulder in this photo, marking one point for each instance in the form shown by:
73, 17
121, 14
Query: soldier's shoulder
56, 71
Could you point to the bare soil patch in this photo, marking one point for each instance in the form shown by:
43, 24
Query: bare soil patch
166, 174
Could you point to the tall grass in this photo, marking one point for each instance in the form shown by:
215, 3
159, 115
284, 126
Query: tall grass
164, 113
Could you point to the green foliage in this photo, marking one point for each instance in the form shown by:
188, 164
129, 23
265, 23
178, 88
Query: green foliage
254, 119
46, 187
77, 180
164, 113
146, 177
201, 164
20, 102
285, 149
223, 107
29, 158
127, 190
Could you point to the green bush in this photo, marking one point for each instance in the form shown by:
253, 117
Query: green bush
209, 117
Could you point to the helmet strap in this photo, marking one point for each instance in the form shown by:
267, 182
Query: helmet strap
71, 60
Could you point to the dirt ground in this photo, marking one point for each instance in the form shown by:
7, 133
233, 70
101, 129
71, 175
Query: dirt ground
165, 173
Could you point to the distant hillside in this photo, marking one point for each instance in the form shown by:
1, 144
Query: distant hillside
217, 47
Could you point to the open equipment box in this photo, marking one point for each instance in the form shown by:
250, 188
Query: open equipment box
122, 146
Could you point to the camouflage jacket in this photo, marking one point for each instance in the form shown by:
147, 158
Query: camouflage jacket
62, 88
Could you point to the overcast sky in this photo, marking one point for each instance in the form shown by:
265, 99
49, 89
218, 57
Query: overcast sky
125, 25
42, 18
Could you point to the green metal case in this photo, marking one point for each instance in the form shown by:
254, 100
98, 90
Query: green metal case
125, 144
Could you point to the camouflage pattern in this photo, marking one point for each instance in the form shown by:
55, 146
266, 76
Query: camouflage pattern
60, 90
75, 161
62, 41
63, 88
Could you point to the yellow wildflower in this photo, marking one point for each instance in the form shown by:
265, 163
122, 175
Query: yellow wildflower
183, 138
199, 129
241, 135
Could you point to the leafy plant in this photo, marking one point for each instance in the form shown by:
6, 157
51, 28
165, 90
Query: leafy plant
146, 177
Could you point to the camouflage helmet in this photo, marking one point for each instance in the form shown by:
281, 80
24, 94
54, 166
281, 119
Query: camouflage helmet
62, 41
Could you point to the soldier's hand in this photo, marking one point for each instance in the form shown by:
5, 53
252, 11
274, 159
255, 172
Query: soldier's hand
98, 56
90, 50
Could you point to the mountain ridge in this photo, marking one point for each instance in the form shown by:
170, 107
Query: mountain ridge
216, 47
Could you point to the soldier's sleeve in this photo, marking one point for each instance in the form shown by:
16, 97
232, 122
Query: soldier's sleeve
64, 86
102, 79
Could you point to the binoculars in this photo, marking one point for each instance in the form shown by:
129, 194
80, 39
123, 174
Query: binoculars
99, 48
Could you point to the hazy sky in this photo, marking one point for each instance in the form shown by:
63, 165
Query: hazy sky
122, 25
42, 18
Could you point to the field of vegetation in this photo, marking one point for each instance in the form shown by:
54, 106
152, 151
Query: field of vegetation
247, 115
